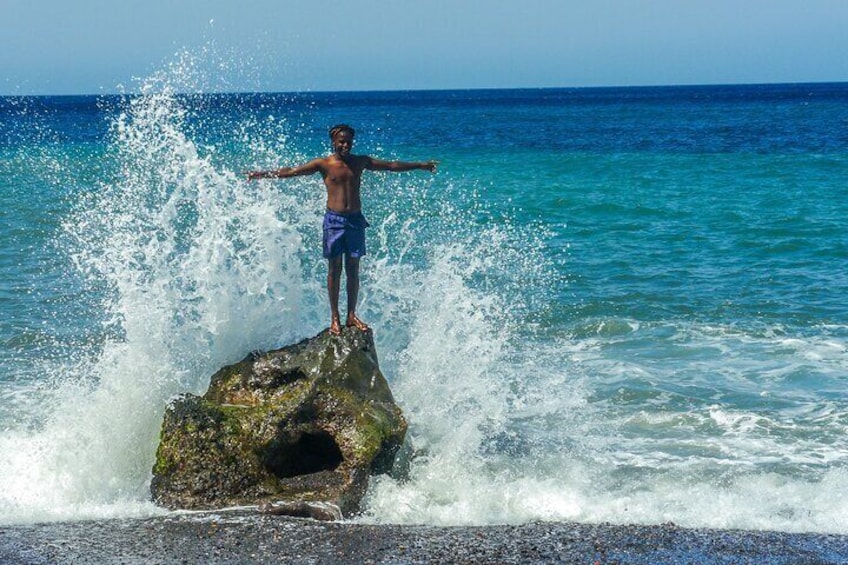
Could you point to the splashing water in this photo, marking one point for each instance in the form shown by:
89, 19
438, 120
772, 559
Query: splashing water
196, 267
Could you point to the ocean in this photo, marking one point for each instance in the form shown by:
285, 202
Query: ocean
621, 305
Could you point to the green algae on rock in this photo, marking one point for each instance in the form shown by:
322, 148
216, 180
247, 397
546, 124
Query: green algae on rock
306, 423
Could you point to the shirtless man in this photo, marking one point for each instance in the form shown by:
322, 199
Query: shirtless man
344, 224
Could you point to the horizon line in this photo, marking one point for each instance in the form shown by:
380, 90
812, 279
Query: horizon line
454, 89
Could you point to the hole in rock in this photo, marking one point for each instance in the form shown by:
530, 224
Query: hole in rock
304, 454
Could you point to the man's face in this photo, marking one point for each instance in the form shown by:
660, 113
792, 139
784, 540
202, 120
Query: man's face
342, 143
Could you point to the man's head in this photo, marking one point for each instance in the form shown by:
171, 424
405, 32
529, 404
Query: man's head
340, 128
342, 138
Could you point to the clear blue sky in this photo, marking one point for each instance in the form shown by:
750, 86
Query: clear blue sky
94, 46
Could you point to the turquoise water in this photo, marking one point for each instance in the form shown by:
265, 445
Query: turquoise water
622, 305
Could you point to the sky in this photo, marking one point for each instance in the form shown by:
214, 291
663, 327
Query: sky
104, 46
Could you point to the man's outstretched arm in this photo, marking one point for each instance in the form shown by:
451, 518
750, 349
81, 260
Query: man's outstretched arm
400, 166
309, 168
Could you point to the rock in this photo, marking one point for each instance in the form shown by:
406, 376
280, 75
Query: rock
306, 423
316, 510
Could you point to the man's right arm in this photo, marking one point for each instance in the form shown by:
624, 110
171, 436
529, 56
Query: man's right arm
310, 168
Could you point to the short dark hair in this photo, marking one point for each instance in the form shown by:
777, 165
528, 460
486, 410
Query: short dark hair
340, 128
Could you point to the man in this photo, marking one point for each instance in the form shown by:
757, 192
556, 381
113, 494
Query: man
344, 224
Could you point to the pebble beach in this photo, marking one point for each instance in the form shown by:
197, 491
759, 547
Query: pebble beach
245, 536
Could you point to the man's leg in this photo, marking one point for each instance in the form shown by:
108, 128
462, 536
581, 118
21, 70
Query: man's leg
352, 273
334, 277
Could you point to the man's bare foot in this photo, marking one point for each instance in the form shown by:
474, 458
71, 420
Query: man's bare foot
335, 327
353, 321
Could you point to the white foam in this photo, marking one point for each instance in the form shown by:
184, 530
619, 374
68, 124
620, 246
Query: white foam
617, 440
198, 268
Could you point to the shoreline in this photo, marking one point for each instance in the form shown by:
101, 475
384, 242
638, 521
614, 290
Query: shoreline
246, 536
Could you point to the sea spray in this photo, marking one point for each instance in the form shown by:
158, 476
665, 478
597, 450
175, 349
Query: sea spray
196, 268
461, 285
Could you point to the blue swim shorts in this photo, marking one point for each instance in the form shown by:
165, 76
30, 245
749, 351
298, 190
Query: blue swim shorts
344, 234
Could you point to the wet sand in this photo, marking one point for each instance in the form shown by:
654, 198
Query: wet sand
244, 536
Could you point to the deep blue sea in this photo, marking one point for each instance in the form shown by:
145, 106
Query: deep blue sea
609, 304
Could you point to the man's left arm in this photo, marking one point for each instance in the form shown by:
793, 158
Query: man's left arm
399, 166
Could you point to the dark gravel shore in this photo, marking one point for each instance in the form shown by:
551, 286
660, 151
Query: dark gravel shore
247, 537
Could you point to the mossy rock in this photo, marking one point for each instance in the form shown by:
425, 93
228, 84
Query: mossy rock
306, 423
